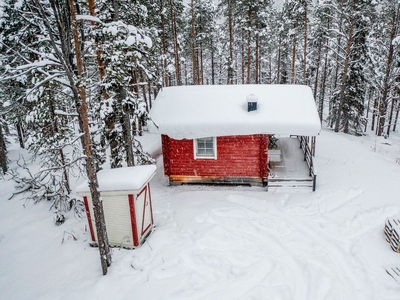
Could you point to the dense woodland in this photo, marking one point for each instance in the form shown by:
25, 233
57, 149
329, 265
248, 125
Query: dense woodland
78, 77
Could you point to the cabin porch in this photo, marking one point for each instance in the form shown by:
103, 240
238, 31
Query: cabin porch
290, 162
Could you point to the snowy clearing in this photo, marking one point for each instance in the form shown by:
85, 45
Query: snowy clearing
224, 242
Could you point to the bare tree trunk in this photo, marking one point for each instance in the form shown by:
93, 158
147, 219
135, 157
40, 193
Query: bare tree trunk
3, 151
278, 74
339, 40
292, 77
80, 98
390, 117
164, 46
305, 43
396, 119
186, 72
150, 100
368, 107
176, 46
344, 77
201, 69
230, 21
270, 69
193, 42
249, 49
55, 130
212, 67
257, 79
242, 54
126, 131
323, 83
317, 63
374, 113
20, 133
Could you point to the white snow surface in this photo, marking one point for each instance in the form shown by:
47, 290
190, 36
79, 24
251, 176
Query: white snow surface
88, 18
224, 242
221, 110
122, 179
396, 40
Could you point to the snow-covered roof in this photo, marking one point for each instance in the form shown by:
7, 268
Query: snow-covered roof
221, 110
121, 179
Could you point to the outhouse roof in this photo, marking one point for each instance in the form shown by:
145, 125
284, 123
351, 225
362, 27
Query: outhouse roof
121, 179
221, 110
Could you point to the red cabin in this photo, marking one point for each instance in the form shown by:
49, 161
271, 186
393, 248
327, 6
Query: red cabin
240, 159
234, 134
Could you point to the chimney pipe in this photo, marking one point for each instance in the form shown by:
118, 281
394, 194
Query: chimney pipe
252, 102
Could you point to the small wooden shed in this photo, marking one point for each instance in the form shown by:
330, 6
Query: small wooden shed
220, 133
128, 212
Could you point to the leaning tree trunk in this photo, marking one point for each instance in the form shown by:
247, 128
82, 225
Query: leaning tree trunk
80, 98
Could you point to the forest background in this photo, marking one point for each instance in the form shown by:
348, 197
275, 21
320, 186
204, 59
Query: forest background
78, 78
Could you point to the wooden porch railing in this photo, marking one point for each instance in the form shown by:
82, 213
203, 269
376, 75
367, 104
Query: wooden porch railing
309, 153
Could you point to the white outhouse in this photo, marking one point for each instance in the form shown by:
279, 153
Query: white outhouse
125, 193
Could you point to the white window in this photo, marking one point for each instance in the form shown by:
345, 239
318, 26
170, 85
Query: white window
205, 148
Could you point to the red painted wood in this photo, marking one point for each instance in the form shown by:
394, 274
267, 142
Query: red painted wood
151, 205
263, 155
237, 156
166, 154
144, 190
133, 219
86, 202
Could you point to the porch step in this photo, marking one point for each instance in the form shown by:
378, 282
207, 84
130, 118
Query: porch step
290, 183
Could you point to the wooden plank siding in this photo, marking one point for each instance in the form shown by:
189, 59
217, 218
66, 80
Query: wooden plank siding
240, 160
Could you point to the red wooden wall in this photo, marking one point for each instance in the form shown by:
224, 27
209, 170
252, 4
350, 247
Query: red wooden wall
237, 157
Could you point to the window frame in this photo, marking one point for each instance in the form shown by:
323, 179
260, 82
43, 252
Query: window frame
195, 148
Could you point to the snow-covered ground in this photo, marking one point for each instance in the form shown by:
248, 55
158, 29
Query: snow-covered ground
224, 242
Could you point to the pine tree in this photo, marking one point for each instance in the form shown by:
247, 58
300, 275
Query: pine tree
319, 52
348, 115
384, 63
